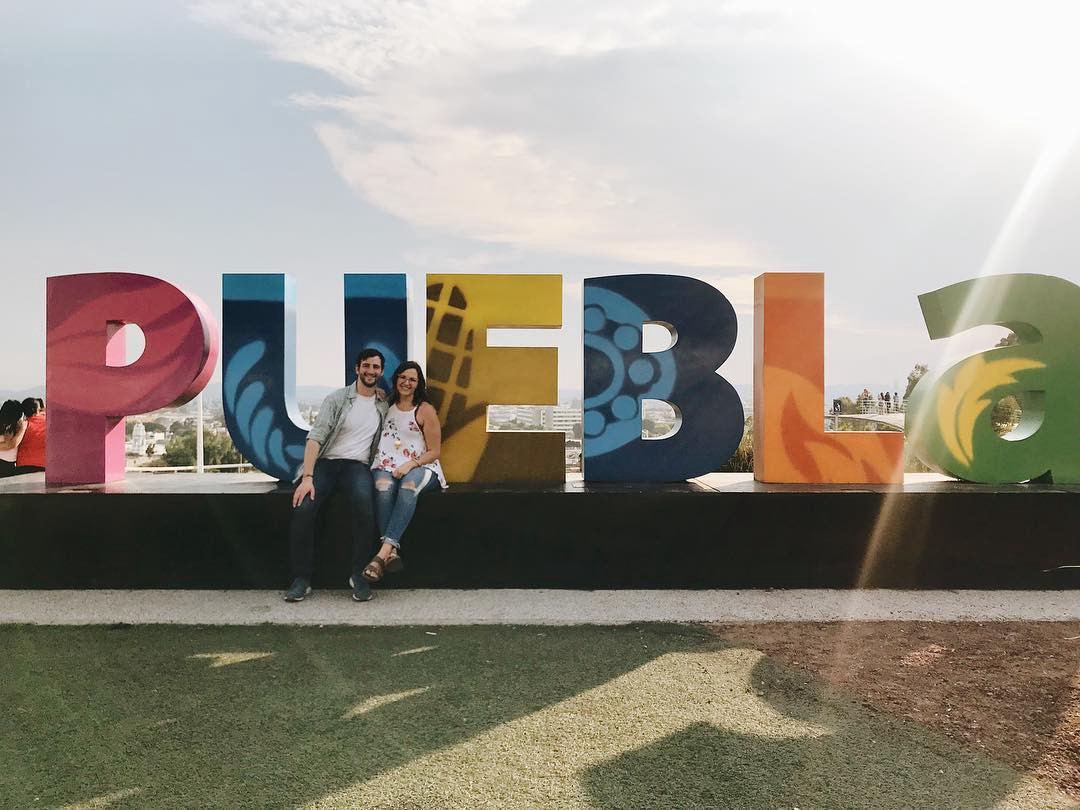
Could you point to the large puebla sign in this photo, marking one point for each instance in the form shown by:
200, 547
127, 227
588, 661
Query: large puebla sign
90, 390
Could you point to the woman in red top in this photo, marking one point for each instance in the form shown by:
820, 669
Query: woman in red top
31, 457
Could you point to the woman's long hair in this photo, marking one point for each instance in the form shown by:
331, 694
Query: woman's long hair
419, 393
10, 414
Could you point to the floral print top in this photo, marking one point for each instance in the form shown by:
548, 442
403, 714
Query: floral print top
403, 441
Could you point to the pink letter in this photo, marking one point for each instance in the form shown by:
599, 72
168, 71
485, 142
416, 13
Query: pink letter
90, 392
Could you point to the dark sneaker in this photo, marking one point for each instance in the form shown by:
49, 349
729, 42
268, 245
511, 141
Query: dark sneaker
298, 590
361, 590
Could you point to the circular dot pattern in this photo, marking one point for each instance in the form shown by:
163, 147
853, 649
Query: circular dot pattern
641, 370
627, 337
594, 423
624, 407
594, 319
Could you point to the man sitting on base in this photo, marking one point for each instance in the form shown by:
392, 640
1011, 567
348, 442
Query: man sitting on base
338, 454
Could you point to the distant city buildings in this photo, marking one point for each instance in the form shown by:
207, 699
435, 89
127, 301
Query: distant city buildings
149, 434
657, 419
566, 418
145, 445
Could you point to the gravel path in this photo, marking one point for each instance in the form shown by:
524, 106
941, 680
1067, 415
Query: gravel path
550, 607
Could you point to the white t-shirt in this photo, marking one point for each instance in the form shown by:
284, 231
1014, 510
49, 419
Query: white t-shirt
353, 439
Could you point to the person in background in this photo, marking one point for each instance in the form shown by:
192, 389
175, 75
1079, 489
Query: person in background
31, 457
12, 428
407, 464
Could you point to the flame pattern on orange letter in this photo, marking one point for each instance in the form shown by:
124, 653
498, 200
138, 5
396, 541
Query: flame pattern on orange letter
790, 442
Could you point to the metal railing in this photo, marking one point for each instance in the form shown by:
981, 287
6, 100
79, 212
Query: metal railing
880, 407
192, 468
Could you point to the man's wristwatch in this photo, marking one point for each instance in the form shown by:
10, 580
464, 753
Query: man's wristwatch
312, 477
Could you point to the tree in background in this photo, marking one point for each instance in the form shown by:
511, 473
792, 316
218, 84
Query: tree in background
1008, 410
847, 405
184, 428
217, 449
743, 459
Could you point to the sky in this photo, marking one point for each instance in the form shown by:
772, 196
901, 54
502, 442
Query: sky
896, 148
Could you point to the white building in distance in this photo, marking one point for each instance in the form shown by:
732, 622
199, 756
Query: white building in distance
138, 439
560, 417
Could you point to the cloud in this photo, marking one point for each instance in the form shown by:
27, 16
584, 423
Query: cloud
507, 188
425, 131
737, 287
433, 261
752, 135
855, 327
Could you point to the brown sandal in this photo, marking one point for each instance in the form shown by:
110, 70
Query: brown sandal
378, 567
374, 570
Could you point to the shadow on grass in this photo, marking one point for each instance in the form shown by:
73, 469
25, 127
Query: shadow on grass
657, 716
90, 712
864, 760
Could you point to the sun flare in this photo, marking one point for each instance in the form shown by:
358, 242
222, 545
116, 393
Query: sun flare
1017, 62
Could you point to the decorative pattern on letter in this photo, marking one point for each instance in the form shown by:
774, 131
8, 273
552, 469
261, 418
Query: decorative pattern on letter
948, 416
618, 376
791, 445
464, 375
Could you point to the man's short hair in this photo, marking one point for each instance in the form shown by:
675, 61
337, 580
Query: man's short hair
366, 353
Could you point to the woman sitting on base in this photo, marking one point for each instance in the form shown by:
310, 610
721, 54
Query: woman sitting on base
407, 464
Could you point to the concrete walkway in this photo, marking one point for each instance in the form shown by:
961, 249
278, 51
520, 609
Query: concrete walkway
546, 607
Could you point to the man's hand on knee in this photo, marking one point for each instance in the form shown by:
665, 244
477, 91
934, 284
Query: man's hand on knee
306, 488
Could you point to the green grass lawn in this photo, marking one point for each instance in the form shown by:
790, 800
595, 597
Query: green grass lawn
652, 716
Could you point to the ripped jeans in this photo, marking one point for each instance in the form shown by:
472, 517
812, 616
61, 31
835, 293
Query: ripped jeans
395, 500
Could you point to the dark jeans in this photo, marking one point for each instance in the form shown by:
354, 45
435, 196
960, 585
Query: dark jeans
353, 479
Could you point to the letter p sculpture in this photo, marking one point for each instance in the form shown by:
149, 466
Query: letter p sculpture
89, 388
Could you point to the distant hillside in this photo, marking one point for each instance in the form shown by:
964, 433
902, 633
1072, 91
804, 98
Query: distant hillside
313, 394
23, 393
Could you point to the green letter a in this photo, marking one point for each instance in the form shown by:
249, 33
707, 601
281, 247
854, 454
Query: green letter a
948, 417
